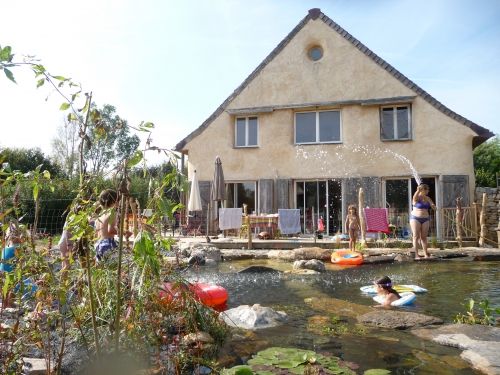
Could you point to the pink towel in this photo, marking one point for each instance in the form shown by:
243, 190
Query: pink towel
376, 220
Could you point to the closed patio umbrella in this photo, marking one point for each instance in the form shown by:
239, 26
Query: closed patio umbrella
218, 192
194, 203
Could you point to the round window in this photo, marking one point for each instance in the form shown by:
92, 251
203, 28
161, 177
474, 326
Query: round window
316, 54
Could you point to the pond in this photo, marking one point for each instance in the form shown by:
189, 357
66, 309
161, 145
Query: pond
450, 284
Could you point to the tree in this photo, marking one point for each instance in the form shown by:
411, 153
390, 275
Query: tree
110, 141
28, 159
487, 162
65, 147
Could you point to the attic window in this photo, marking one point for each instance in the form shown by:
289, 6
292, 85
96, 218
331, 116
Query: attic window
316, 53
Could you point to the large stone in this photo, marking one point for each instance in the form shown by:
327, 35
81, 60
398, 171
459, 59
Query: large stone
397, 319
481, 344
305, 253
258, 269
253, 317
313, 264
302, 272
36, 366
195, 338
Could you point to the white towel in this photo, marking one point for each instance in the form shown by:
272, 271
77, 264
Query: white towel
289, 221
230, 218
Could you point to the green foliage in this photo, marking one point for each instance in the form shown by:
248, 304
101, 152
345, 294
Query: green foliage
110, 141
28, 159
476, 316
487, 162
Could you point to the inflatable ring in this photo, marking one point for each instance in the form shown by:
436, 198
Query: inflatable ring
346, 257
407, 298
207, 294
370, 289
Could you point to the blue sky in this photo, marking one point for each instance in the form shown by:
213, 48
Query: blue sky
174, 62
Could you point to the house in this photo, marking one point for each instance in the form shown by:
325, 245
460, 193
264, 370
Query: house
321, 117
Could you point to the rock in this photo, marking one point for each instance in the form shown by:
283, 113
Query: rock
378, 259
202, 370
403, 258
486, 257
194, 338
210, 263
197, 257
35, 366
312, 264
397, 319
481, 344
253, 317
258, 269
305, 253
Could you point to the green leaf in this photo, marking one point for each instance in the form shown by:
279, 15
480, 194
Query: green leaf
9, 75
40, 82
146, 126
5, 54
136, 159
64, 106
35, 191
59, 78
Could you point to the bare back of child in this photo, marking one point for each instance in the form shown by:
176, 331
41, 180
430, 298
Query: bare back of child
106, 225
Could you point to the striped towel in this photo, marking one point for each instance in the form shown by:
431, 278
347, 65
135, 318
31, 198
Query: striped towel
377, 220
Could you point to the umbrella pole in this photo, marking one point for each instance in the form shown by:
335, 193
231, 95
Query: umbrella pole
208, 219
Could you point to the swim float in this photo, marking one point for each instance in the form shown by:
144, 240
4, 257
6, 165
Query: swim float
207, 294
346, 257
370, 289
407, 298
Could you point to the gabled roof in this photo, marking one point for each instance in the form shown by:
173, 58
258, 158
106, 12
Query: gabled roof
483, 134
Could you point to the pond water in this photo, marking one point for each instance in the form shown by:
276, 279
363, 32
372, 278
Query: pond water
449, 282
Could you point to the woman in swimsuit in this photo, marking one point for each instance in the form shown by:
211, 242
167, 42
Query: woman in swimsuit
419, 218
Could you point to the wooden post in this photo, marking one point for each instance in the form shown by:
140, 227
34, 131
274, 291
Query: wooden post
133, 206
458, 221
209, 220
361, 218
482, 223
247, 222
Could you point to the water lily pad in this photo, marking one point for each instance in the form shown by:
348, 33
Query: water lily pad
288, 364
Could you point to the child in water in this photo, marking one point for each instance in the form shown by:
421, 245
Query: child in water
352, 226
383, 284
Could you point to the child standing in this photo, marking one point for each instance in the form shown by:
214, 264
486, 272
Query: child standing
352, 226
106, 225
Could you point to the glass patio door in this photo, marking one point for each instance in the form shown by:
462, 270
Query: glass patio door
326, 198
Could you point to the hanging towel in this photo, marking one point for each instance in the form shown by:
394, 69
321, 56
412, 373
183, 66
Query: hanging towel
230, 218
377, 220
289, 221
321, 227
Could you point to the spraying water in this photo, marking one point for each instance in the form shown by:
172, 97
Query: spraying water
345, 167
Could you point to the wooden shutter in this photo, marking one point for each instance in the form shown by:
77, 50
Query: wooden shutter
455, 186
282, 194
266, 196
204, 193
371, 191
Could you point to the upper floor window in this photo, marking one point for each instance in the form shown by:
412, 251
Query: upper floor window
317, 127
395, 123
247, 131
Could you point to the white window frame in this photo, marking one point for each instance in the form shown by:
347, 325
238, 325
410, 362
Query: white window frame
246, 132
395, 121
317, 127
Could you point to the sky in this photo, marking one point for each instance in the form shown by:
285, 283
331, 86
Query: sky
173, 62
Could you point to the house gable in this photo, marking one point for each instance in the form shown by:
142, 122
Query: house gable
412, 90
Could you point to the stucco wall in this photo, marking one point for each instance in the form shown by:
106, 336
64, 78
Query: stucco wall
440, 145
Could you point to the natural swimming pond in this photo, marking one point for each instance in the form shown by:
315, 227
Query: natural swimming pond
449, 282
